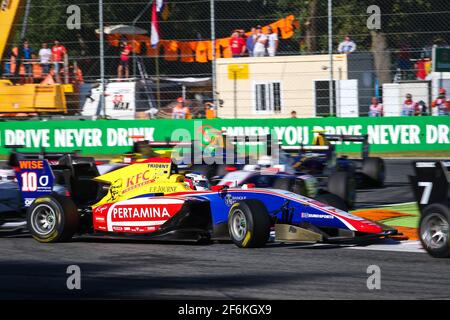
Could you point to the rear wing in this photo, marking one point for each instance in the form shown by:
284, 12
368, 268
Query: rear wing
364, 139
53, 157
431, 182
230, 143
321, 144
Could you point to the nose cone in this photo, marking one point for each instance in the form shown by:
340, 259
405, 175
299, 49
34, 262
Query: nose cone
367, 226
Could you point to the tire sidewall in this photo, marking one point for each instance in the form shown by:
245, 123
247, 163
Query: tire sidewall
283, 183
346, 188
334, 201
251, 238
444, 212
243, 207
57, 231
374, 168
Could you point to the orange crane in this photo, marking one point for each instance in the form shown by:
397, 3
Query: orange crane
27, 99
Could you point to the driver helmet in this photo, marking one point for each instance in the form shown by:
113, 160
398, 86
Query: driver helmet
197, 181
265, 161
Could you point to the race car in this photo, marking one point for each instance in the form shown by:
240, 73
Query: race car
337, 190
12, 215
151, 200
320, 159
213, 160
431, 186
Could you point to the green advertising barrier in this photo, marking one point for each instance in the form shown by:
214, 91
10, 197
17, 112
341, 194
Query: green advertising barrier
390, 134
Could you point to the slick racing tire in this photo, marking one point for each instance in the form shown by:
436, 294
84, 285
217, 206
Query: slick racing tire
299, 187
249, 224
333, 200
283, 184
375, 170
434, 230
53, 218
343, 185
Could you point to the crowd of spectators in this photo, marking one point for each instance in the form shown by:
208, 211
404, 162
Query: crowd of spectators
24, 57
257, 44
414, 108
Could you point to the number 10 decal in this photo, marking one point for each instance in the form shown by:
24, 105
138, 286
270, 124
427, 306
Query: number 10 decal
29, 181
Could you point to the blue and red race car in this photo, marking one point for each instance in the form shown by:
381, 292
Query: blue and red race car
150, 200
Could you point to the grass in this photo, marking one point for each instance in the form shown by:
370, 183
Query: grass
406, 208
411, 222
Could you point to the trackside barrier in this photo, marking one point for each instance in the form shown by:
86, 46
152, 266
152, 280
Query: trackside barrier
389, 134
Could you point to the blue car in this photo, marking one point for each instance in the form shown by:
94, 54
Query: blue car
150, 200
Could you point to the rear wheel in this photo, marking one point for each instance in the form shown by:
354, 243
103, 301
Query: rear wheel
283, 184
343, 185
52, 218
434, 230
333, 200
374, 169
249, 224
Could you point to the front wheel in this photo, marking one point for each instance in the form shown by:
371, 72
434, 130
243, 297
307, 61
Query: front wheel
343, 185
434, 230
375, 170
249, 224
333, 200
53, 218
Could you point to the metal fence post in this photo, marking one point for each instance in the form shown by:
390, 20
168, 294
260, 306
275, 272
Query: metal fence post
213, 44
330, 51
102, 58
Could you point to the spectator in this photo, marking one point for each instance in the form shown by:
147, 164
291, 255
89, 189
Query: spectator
17, 53
180, 111
241, 33
237, 44
27, 63
376, 108
441, 103
409, 108
347, 46
423, 108
6, 69
250, 42
59, 53
272, 47
45, 57
210, 110
294, 114
259, 48
125, 51
7, 63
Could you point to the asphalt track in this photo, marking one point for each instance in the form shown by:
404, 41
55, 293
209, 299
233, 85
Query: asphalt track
121, 269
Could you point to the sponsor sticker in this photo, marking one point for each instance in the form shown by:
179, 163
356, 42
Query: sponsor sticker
230, 199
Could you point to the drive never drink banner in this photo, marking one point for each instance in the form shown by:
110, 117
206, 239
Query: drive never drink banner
113, 136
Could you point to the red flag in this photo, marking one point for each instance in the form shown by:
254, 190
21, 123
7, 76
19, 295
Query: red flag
155, 27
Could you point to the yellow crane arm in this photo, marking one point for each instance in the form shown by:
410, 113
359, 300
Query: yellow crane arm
9, 14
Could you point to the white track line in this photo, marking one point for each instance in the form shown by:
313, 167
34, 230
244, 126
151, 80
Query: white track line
403, 246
